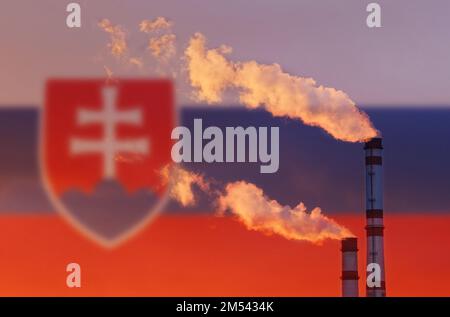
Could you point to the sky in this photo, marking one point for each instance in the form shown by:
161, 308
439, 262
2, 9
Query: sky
405, 62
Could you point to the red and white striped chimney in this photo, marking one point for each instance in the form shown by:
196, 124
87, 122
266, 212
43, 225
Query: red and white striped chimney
349, 248
374, 213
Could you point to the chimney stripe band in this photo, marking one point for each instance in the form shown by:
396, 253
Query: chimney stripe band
374, 213
350, 275
374, 231
349, 245
375, 143
374, 160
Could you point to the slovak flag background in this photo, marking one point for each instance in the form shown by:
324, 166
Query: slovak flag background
56, 175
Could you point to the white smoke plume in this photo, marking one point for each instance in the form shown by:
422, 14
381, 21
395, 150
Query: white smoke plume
181, 184
280, 93
258, 85
160, 23
257, 212
162, 47
118, 44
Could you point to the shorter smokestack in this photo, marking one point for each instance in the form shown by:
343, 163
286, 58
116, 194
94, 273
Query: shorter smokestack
349, 248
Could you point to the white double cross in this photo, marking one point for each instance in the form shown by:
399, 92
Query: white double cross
109, 146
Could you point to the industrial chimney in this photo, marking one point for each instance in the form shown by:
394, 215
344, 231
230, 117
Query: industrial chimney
349, 248
374, 213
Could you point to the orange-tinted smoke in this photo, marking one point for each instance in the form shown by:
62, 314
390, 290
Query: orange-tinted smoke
161, 43
160, 23
181, 184
257, 212
280, 93
162, 47
118, 45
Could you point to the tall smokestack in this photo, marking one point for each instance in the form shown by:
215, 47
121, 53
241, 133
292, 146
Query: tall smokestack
374, 213
349, 248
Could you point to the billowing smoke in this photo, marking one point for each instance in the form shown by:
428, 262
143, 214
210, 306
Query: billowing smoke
257, 212
162, 47
160, 23
280, 93
181, 184
250, 206
118, 44
258, 85
161, 43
